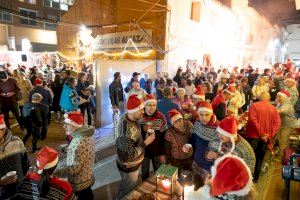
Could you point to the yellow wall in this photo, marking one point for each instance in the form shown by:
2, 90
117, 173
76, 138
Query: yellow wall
33, 35
3, 35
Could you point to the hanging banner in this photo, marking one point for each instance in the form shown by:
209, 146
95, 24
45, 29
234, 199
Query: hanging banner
117, 41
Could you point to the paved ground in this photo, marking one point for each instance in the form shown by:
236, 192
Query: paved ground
270, 186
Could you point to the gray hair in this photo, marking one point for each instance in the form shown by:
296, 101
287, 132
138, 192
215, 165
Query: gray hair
36, 97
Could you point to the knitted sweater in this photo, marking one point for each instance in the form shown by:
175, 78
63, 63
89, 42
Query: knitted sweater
175, 140
59, 189
79, 164
258, 89
244, 150
294, 94
286, 112
156, 148
263, 119
13, 157
130, 145
201, 136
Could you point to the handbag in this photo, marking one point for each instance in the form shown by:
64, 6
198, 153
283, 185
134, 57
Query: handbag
19, 95
81, 100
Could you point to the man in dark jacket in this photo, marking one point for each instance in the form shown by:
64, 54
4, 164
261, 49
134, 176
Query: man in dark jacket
219, 86
35, 115
116, 93
247, 92
8, 89
46, 100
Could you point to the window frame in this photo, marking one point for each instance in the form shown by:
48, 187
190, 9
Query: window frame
24, 18
3, 20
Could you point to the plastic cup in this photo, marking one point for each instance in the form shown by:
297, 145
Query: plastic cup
11, 173
150, 131
188, 146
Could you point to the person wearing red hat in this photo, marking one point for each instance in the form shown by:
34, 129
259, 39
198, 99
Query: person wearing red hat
79, 164
8, 98
263, 123
178, 150
219, 104
153, 120
203, 131
47, 100
290, 86
14, 161
228, 140
288, 121
230, 179
130, 145
43, 183
198, 95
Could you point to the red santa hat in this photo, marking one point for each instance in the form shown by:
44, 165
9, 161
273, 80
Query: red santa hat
230, 89
174, 115
2, 122
284, 93
278, 73
199, 93
46, 158
38, 81
232, 82
134, 104
228, 127
150, 98
204, 106
74, 118
230, 175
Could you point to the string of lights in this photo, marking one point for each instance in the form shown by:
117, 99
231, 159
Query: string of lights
138, 53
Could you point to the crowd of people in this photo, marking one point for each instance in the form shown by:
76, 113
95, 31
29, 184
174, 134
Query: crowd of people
35, 97
218, 125
200, 120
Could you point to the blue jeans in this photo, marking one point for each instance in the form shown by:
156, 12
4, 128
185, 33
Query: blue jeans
128, 182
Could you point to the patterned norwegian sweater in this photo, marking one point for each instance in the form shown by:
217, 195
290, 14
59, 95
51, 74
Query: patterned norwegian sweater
175, 140
294, 94
242, 149
201, 136
13, 157
79, 164
130, 145
59, 189
156, 148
